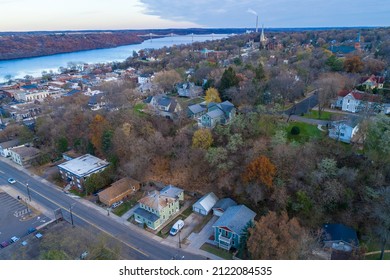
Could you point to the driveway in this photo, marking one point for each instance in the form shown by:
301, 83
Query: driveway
196, 240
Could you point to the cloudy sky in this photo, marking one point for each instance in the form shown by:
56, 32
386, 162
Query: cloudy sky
25, 15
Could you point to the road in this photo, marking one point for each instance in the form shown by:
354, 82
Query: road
304, 105
140, 246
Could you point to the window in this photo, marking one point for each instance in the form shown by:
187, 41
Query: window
341, 134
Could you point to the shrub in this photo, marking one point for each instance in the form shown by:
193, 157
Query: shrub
295, 130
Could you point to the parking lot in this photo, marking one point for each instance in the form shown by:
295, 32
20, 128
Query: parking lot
16, 217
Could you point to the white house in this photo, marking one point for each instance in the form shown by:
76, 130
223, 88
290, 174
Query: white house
357, 101
343, 130
204, 205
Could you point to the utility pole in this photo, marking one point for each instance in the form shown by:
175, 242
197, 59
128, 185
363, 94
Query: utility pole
179, 240
71, 213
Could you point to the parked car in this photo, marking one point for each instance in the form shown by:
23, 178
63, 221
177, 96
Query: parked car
4, 244
14, 239
176, 227
31, 230
11, 180
116, 204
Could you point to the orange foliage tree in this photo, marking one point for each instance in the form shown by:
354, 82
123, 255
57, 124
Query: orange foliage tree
96, 128
261, 170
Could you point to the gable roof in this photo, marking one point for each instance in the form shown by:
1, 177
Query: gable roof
361, 95
224, 203
235, 218
206, 202
116, 189
215, 113
340, 232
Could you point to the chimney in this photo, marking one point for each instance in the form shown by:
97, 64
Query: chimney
257, 23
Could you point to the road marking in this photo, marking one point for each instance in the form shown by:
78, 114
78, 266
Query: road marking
90, 223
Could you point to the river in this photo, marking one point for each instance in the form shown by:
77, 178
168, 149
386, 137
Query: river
19, 68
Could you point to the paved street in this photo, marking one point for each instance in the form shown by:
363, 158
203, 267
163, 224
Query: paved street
140, 244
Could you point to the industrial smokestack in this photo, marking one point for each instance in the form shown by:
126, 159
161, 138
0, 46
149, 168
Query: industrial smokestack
257, 23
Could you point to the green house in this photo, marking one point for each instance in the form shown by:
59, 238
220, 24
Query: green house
229, 228
158, 206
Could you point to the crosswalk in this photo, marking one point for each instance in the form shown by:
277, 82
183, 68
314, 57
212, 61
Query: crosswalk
13, 205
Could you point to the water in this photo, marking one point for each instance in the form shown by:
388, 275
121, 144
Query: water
19, 68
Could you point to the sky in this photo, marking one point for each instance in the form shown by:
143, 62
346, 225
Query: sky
39, 15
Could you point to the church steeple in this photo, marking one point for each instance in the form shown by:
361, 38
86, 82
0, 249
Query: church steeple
263, 39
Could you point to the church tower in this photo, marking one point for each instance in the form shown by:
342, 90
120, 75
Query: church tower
263, 39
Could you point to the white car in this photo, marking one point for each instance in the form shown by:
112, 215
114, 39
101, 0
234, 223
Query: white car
14, 239
116, 204
11, 180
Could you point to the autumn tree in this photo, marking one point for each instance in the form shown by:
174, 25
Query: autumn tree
260, 170
97, 129
202, 139
353, 64
212, 95
276, 237
166, 80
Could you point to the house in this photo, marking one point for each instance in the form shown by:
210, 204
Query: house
158, 206
196, 111
230, 227
77, 170
204, 205
5, 146
372, 82
358, 101
222, 205
96, 102
164, 106
23, 155
339, 237
189, 90
344, 130
118, 191
217, 113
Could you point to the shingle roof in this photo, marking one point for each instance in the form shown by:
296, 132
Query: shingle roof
10, 144
235, 218
224, 203
196, 108
156, 201
207, 202
116, 189
147, 215
164, 101
215, 113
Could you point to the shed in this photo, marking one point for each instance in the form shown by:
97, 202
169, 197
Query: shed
204, 205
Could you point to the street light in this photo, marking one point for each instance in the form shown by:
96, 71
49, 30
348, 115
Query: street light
28, 192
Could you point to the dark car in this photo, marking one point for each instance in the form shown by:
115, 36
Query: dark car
4, 244
31, 230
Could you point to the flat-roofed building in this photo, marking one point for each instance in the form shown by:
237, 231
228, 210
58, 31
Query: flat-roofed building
75, 171
23, 155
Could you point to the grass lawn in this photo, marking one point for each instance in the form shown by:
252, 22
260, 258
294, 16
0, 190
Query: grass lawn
76, 192
123, 208
307, 132
376, 256
217, 251
313, 114
138, 109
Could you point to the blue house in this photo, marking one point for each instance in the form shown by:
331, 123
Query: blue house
229, 228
